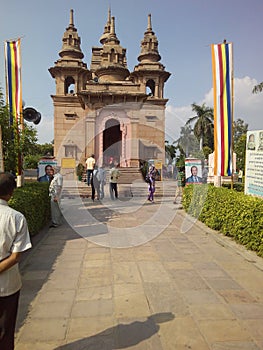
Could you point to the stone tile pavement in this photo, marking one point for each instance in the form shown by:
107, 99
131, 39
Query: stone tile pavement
180, 287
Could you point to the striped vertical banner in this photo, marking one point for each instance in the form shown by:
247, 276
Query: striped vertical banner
13, 79
222, 67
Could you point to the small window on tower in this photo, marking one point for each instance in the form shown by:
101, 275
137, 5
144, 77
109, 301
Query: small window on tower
150, 87
69, 86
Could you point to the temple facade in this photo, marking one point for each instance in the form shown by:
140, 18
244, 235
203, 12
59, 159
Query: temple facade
105, 109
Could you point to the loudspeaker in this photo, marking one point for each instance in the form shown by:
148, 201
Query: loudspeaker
32, 115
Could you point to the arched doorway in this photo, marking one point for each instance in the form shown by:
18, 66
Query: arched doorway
112, 137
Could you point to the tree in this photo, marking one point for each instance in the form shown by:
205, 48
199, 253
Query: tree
12, 144
186, 143
258, 88
170, 151
204, 126
240, 150
240, 135
240, 128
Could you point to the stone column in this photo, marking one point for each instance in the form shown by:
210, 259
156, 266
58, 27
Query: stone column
90, 134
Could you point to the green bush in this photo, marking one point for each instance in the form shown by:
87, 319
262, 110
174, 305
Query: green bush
233, 213
33, 201
238, 186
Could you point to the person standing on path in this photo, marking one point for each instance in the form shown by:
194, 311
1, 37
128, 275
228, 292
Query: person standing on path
180, 184
14, 239
102, 176
114, 175
95, 183
55, 191
151, 181
90, 163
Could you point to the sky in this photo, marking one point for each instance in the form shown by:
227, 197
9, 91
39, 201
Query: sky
185, 30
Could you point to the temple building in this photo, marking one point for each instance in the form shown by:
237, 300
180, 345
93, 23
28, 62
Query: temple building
105, 109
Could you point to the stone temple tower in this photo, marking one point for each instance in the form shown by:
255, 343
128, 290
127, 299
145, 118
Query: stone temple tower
106, 109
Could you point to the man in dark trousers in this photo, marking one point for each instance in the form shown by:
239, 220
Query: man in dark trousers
14, 239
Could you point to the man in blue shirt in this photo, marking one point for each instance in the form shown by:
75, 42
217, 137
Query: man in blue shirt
46, 177
194, 178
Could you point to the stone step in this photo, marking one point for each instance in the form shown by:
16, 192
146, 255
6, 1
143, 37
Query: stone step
138, 188
127, 175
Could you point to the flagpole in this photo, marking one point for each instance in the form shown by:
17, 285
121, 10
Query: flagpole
232, 119
16, 114
2, 168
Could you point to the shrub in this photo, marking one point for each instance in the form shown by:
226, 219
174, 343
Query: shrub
233, 213
33, 201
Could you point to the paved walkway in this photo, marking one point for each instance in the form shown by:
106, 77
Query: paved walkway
177, 285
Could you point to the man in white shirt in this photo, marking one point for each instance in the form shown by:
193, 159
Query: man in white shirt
90, 163
14, 239
55, 191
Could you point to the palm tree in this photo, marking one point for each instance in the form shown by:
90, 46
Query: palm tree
258, 88
204, 126
185, 143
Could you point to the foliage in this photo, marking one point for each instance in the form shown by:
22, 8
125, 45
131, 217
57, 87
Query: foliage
144, 168
258, 88
206, 151
233, 213
45, 149
238, 186
170, 151
80, 169
187, 142
15, 138
31, 161
204, 126
240, 129
240, 150
33, 201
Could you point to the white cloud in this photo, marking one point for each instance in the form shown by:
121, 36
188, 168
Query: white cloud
176, 117
247, 106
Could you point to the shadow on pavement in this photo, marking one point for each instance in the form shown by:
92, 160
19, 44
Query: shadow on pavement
121, 336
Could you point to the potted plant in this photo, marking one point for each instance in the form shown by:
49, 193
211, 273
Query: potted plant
80, 170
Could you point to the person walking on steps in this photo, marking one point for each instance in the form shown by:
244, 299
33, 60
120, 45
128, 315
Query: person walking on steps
90, 163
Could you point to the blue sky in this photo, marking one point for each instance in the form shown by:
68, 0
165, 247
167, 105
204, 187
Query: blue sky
185, 29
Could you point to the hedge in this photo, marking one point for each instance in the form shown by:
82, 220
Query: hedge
232, 213
33, 201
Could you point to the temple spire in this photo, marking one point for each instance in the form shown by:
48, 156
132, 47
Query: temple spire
71, 41
71, 19
149, 28
112, 28
149, 45
107, 28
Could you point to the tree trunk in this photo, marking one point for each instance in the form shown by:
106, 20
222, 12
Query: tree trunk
201, 143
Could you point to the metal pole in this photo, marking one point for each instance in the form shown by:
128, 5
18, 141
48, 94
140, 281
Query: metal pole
2, 168
232, 120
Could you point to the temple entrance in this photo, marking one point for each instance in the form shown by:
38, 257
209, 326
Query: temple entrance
112, 142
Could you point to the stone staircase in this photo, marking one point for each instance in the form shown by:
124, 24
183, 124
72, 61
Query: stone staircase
136, 188
127, 175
